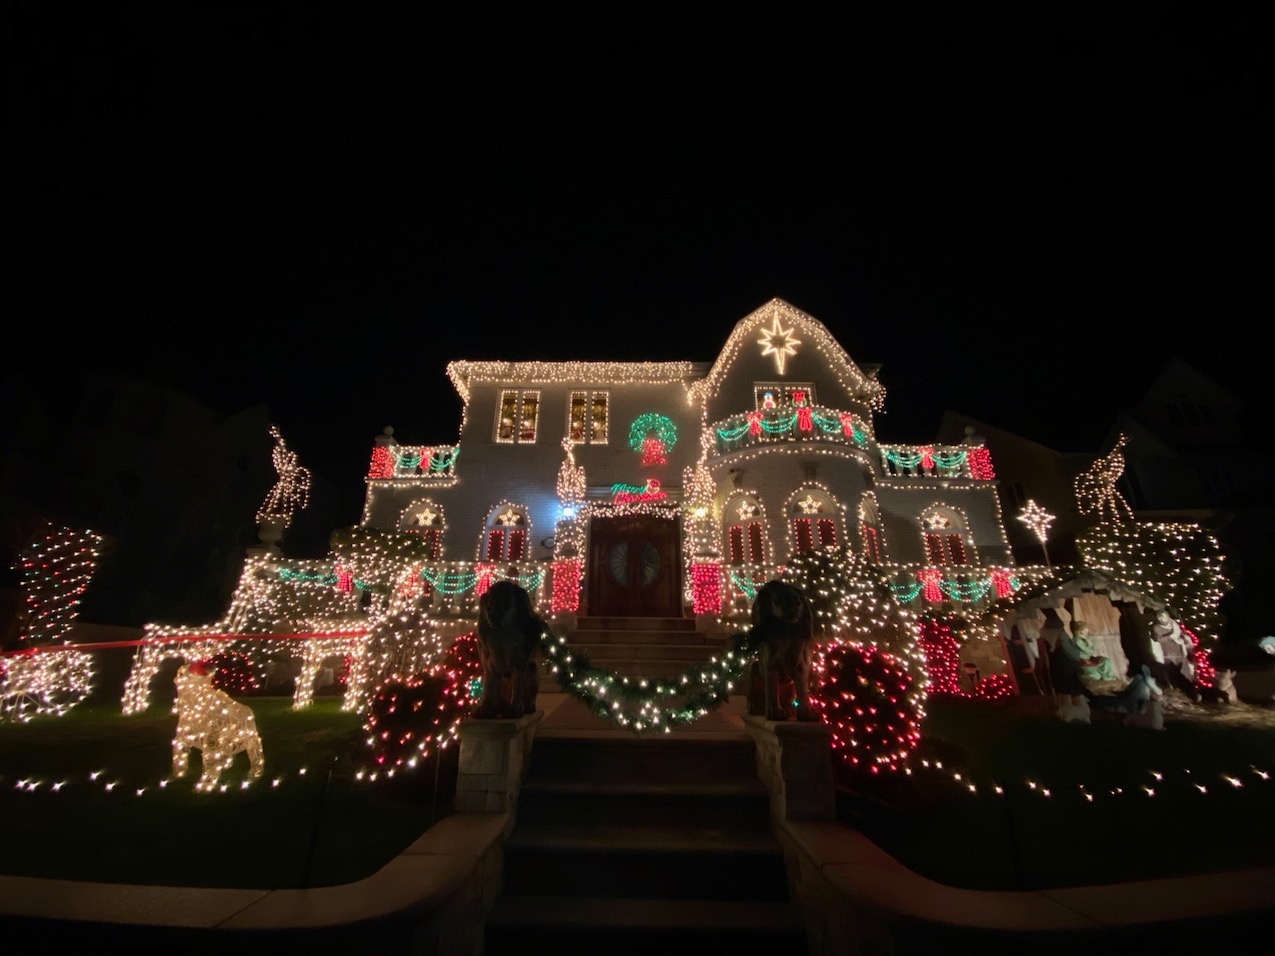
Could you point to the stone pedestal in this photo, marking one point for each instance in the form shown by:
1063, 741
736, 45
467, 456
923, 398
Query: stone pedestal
493, 758
794, 761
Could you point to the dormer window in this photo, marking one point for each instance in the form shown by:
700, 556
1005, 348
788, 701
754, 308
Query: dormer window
587, 418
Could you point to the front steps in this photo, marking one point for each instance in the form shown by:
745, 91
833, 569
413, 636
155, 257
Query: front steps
659, 845
644, 646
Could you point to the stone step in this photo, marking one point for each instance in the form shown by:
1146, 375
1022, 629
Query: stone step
633, 844
612, 651
668, 638
630, 667
642, 926
643, 862
739, 805
635, 624
642, 761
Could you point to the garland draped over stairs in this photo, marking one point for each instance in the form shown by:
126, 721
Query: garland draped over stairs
650, 703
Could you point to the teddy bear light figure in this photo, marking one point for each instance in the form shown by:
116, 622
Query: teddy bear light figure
211, 721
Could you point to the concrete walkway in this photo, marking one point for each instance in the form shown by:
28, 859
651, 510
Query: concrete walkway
433, 897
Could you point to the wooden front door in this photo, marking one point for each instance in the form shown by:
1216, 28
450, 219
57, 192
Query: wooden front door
635, 566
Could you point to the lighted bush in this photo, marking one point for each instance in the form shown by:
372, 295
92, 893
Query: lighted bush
410, 719
862, 694
234, 673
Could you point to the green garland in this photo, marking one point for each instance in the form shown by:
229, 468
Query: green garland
643, 703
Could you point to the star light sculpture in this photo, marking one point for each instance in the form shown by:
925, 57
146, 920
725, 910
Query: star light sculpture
1038, 519
779, 342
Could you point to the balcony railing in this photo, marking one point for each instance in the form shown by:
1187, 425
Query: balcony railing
414, 461
789, 423
936, 461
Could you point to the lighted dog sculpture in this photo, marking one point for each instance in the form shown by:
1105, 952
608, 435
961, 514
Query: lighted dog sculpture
211, 721
508, 637
780, 679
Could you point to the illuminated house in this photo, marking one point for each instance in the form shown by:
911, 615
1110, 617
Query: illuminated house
672, 489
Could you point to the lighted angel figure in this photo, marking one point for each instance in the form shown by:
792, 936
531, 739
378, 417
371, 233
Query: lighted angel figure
292, 489
1096, 486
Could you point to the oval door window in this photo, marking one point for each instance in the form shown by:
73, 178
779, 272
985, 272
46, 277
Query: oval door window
618, 563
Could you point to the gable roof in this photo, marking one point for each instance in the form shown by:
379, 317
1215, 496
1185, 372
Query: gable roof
813, 333
1051, 591
463, 374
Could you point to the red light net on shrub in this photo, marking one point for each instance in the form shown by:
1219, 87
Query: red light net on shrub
410, 719
994, 687
861, 693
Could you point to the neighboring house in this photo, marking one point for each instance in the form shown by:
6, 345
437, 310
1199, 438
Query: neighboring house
172, 485
1194, 453
665, 489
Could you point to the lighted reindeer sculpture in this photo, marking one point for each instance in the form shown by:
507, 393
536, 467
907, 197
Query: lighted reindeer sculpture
211, 721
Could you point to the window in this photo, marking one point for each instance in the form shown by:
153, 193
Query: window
813, 524
587, 418
506, 537
745, 536
516, 419
425, 519
869, 533
775, 394
944, 544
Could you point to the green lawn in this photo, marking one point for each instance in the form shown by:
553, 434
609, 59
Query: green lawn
324, 827
318, 826
1024, 839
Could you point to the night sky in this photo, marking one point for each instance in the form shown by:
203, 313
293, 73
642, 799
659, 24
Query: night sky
300, 205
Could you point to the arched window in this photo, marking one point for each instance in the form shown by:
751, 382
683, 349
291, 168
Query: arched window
745, 532
870, 529
814, 520
945, 542
426, 519
505, 538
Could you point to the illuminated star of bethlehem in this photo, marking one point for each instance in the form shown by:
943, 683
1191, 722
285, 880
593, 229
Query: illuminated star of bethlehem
779, 342
747, 510
1036, 518
426, 516
809, 505
508, 516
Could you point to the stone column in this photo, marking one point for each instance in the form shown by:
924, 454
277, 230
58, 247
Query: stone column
493, 758
794, 761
